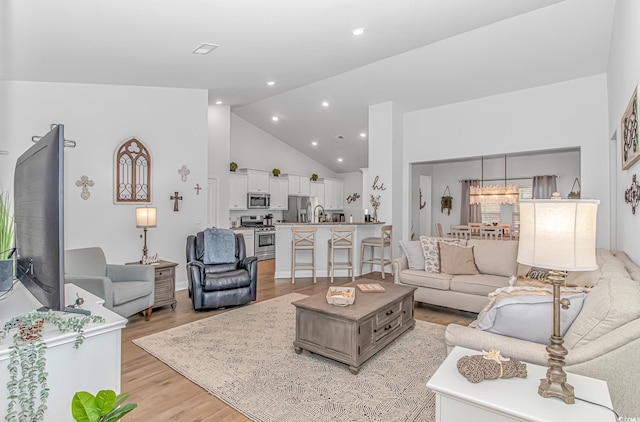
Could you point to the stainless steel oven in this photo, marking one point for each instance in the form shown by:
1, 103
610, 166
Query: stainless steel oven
258, 200
265, 242
265, 235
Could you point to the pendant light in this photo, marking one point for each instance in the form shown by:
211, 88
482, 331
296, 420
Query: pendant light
496, 194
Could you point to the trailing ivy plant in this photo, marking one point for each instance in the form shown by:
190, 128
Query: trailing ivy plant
27, 384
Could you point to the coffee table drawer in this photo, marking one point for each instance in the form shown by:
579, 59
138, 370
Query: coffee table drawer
388, 328
389, 313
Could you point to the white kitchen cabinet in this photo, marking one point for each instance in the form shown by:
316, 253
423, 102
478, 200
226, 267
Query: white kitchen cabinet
298, 185
237, 191
316, 189
257, 180
249, 240
279, 189
333, 193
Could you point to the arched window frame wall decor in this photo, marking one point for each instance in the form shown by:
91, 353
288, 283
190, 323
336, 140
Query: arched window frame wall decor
132, 171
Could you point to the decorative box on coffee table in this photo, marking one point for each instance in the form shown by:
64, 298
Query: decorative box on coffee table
354, 333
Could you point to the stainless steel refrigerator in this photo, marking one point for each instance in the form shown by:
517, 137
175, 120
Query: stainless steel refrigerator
300, 209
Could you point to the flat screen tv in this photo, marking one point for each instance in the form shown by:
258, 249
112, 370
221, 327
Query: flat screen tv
39, 219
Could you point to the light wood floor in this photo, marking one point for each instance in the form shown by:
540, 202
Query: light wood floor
164, 395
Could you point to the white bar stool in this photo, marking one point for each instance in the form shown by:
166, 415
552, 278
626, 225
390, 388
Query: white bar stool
341, 238
377, 242
303, 239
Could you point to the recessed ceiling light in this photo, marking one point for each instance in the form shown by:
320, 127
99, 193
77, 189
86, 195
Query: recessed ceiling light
339, 160
358, 31
325, 104
275, 118
205, 48
363, 135
314, 143
218, 102
271, 83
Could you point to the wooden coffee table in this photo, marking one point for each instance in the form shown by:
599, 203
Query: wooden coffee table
352, 334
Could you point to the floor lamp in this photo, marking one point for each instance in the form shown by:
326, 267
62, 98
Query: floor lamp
559, 235
145, 218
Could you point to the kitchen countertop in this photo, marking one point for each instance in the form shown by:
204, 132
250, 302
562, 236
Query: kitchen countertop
340, 223
242, 228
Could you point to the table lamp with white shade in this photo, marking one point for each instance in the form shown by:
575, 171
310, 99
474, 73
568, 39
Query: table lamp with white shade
145, 218
559, 235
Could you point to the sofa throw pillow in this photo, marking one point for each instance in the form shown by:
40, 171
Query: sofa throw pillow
456, 259
529, 317
412, 249
431, 252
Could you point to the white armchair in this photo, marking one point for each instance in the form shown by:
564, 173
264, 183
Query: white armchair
126, 289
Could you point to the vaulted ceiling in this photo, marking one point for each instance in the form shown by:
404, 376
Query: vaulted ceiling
418, 54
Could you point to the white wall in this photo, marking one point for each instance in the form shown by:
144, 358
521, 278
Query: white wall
171, 122
219, 127
623, 75
564, 115
352, 182
254, 148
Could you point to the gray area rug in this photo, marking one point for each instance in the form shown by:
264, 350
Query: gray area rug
245, 357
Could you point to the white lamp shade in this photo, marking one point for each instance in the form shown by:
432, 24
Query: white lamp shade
145, 217
558, 234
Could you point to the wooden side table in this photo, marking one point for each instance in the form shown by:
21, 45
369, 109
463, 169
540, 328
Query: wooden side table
513, 399
165, 288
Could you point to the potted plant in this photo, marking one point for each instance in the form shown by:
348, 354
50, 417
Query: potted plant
233, 166
314, 177
6, 242
276, 172
103, 407
27, 383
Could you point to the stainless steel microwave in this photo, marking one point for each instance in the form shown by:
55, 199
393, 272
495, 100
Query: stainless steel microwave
258, 200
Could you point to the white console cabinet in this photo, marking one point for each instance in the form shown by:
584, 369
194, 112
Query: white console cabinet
94, 366
513, 399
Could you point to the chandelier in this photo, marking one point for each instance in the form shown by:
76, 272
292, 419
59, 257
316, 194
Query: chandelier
494, 194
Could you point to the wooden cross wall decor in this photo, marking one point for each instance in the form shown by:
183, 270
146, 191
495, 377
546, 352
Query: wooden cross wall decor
198, 188
175, 198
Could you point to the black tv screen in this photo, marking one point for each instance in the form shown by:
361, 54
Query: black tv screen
39, 219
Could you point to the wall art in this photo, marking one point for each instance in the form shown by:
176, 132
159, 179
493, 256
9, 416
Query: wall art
183, 172
132, 173
198, 188
353, 197
175, 198
632, 195
629, 133
85, 183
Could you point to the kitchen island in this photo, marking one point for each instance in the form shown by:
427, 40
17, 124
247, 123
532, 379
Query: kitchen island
283, 248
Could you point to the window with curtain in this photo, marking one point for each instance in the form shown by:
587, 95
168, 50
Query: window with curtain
525, 192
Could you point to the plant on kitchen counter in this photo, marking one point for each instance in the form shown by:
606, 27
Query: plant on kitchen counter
276, 172
314, 177
233, 166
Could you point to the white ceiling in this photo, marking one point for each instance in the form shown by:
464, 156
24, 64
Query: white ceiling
418, 54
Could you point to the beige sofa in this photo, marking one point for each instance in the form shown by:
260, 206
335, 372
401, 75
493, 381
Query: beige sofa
603, 341
495, 260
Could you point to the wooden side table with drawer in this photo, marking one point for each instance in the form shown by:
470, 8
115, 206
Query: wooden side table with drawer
165, 288
165, 284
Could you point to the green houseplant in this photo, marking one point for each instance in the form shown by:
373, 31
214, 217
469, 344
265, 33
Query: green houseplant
27, 384
314, 177
276, 172
6, 242
233, 166
103, 407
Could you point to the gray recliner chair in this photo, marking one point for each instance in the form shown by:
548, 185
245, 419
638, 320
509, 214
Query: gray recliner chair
126, 289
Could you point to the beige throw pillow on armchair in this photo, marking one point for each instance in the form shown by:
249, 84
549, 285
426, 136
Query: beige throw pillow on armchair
456, 259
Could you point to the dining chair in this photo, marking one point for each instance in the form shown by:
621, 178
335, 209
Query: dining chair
439, 230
